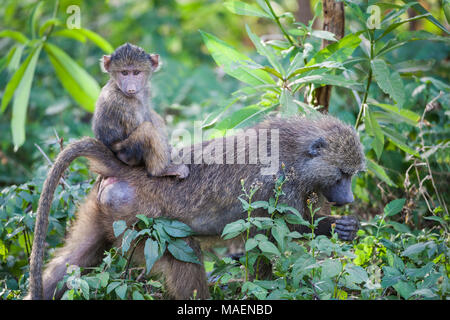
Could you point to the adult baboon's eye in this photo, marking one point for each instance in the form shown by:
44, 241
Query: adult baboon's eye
136, 72
125, 73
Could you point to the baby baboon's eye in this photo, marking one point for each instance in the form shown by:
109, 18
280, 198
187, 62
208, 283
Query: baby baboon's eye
125, 73
136, 72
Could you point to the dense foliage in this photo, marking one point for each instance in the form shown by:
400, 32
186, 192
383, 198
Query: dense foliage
389, 81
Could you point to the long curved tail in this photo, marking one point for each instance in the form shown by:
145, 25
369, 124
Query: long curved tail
102, 161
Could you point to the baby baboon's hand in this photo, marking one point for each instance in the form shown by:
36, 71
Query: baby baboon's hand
126, 154
346, 227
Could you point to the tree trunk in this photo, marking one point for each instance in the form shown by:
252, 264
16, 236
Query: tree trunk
333, 21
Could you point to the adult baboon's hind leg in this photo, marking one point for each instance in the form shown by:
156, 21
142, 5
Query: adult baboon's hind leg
83, 247
183, 278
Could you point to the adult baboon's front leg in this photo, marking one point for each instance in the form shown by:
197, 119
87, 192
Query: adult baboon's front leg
184, 280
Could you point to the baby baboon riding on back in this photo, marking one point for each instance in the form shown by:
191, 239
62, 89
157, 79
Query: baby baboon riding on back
322, 153
123, 119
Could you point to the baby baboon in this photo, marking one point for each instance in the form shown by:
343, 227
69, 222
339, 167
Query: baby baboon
123, 119
322, 155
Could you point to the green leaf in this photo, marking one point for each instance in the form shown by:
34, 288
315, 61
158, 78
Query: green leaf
420, 9
119, 227
242, 8
241, 117
397, 24
375, 168
70, 33
137, 296
266, 51
20, 101
405, 289
151, 253
233, 61
176, 228
390, 83
356, 273
47, 24
16, 35
288, 106
121, 291
101, 42
416, 248
182, 251
394, 207
233, 229
80, 84
323, 65
404, 114
374, 129
250, 244
128, 237
268, 247
325, 79
112, 286
322, 34
144, 219
399, 141
330, 268
338, 51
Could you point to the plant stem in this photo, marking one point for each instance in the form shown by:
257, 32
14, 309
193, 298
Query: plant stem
277, 20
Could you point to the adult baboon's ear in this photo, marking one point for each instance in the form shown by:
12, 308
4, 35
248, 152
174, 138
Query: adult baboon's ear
105, 62
155, 61
315, 146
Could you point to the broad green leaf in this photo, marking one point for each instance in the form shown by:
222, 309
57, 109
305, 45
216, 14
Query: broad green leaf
182, 251
234, 228
416, 248
143, 218
390, 83
268, 247
128, 237
232, 61
322, 34
121, 291
242, 8
374, 129
266, 51
137, 296
339, 51
375, 168
16, 35
151, 254
176, 228
119, 227
356, 273
81, 86
250, 244
405, 289
330, 268
394, 207
112, 286
20, 101
288, 106
241, 117
405, 114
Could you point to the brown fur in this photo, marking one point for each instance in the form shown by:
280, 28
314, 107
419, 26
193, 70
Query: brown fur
207, 200
124, 121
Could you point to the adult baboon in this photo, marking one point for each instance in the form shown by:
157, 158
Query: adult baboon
322, 154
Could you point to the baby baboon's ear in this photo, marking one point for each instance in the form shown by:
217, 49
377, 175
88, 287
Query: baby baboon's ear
105, 62
315, 147
155, 61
